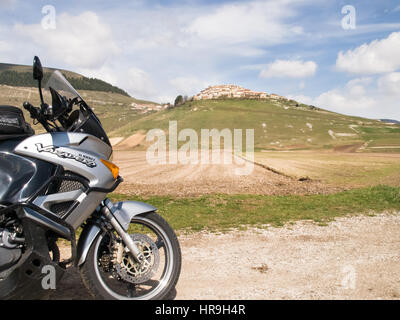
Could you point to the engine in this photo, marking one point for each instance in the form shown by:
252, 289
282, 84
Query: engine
11, 240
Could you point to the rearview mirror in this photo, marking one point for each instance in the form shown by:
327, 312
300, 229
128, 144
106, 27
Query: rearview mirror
37, 69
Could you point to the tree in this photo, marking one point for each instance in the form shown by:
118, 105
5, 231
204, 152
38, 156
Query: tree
25, 79
178, 100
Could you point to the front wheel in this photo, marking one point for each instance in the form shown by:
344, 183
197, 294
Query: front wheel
110, 272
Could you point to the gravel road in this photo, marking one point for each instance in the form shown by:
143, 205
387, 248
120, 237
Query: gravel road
351, 258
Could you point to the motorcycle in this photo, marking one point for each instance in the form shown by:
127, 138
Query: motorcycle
54, 186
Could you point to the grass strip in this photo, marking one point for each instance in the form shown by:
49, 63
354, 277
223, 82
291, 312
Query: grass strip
219, 212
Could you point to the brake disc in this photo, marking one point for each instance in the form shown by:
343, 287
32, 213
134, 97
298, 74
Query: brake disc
134, 272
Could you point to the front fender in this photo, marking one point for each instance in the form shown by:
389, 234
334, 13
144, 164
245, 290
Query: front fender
123, 212
126, 210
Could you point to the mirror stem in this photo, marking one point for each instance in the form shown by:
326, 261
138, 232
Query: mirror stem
40, 93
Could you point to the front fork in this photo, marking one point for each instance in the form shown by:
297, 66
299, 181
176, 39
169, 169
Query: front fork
106, 210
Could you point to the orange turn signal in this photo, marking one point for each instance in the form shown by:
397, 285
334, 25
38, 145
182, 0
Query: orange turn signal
112, 167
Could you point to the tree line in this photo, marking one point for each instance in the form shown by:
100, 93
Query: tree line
25, 79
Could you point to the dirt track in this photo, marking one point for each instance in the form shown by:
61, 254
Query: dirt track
352, 258
196, 179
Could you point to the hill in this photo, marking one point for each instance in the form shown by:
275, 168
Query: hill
113, 109
21, 76
390, 121
279, 124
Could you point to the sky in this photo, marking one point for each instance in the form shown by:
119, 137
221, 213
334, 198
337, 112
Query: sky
343, 56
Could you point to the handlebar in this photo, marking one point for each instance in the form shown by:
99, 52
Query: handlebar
37, 114
31, 109
44, 115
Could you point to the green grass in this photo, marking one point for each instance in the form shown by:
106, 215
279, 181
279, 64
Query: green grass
278, 125
381, 136
224, 212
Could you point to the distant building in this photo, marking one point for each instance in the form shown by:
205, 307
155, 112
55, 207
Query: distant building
276, 97
230, 91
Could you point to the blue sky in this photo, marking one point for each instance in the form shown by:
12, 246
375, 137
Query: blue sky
158, 49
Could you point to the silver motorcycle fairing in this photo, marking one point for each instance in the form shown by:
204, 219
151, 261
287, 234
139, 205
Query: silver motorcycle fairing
123, 212
76, 152
79, 153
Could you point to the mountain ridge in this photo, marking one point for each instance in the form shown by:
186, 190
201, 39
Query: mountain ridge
21, 76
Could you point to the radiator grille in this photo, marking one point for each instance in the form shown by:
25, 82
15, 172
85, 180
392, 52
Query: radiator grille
64, 184
68, 185
61, 208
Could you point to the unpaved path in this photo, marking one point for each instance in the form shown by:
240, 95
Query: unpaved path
130, 142
351, 258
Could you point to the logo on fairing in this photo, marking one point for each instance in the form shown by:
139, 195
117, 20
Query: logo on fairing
90, 162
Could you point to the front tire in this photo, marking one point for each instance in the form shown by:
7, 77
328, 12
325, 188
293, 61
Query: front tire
96, 280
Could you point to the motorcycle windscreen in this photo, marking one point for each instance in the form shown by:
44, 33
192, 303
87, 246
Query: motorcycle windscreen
90, 124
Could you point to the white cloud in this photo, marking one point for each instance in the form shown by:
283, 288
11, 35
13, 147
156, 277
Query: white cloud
379, 56
105, 73
359, 81
156, 52
189, 85
346, 102
335, 30
142, 43
350, 99
289, 69
81, 41
4, 46
251, 22
301, 98
134, 80
210, 31
139, 83
389, 84
366, 97
357, 87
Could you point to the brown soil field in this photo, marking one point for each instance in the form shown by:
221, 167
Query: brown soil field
143, 178
345, 170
